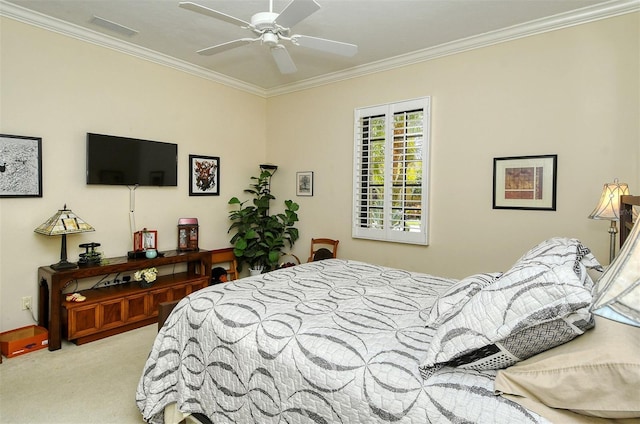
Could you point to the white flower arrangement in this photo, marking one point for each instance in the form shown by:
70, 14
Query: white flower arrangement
148, 274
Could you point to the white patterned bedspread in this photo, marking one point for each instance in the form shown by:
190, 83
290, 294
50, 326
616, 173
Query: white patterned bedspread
325, 342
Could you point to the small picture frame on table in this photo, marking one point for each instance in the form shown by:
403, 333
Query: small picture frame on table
204, 175
20, 166
525, 182
145, 240
304, 183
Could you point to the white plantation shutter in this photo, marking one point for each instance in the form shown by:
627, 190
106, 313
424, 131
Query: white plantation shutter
391, 156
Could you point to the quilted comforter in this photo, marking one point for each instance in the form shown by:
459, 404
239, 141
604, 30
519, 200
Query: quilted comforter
325, 342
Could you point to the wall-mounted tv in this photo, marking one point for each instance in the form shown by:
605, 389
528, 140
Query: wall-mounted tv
113, 160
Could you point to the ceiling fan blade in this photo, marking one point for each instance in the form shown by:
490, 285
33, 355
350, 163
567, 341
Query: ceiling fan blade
283, 60
225, 46
329, 46
296, 11
213, 13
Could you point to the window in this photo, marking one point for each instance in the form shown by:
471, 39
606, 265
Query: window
391, 154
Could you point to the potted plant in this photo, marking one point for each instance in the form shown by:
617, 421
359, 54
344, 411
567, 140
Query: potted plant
258, 236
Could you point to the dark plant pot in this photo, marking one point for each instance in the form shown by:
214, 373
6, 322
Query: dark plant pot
144, 283
88, 262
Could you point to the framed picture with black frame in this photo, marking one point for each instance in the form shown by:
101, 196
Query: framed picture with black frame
304, 183
525, 182
204, 175
20, 166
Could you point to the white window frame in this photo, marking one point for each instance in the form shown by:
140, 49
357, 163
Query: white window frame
386, 232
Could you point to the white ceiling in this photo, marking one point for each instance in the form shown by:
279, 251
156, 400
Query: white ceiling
388, 32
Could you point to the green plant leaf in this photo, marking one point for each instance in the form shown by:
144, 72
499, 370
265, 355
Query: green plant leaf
257, 236
241, 244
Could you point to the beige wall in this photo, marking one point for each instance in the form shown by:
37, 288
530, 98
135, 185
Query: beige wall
573, 92
59, 88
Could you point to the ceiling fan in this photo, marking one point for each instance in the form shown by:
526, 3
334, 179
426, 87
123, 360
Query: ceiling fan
271, 28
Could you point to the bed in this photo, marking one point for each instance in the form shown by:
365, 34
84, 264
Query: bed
341, 341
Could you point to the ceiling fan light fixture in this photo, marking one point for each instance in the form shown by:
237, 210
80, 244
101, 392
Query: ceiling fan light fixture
270, 39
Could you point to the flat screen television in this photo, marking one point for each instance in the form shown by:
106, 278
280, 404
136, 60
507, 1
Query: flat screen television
113, 160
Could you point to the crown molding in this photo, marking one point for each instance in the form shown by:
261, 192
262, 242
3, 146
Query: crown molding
556, 22
564, 20
40, 20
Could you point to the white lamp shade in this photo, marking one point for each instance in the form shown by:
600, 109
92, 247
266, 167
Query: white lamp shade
609, 204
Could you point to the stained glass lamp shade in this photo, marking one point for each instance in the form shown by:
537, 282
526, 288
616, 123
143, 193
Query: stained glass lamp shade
62, 223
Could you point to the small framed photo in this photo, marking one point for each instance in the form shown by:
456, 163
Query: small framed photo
20, 166
525, 182
145, 239
204, 175
304, 183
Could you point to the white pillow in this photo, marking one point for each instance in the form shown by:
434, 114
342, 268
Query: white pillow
451, 301
541, 302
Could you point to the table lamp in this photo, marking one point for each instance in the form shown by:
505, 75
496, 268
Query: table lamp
618, 289
62, 223
609, 208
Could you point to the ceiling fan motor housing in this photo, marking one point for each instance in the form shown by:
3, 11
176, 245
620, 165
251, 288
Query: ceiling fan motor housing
264, 21
264, 24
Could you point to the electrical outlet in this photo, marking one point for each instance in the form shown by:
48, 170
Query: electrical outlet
26, 303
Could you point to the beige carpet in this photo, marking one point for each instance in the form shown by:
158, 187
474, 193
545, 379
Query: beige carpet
92, 383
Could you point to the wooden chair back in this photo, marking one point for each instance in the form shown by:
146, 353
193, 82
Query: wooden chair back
228, 259
327, 243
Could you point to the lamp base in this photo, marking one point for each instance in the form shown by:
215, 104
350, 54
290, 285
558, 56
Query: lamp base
613, 230
63, 265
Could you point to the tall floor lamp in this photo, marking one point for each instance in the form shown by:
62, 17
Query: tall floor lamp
609, 208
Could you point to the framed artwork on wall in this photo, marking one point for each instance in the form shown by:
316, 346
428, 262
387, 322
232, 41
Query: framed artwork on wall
204, 175
525, 182
304, 183
20, 166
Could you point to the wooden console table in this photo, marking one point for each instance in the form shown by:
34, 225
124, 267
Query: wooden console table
53, 310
